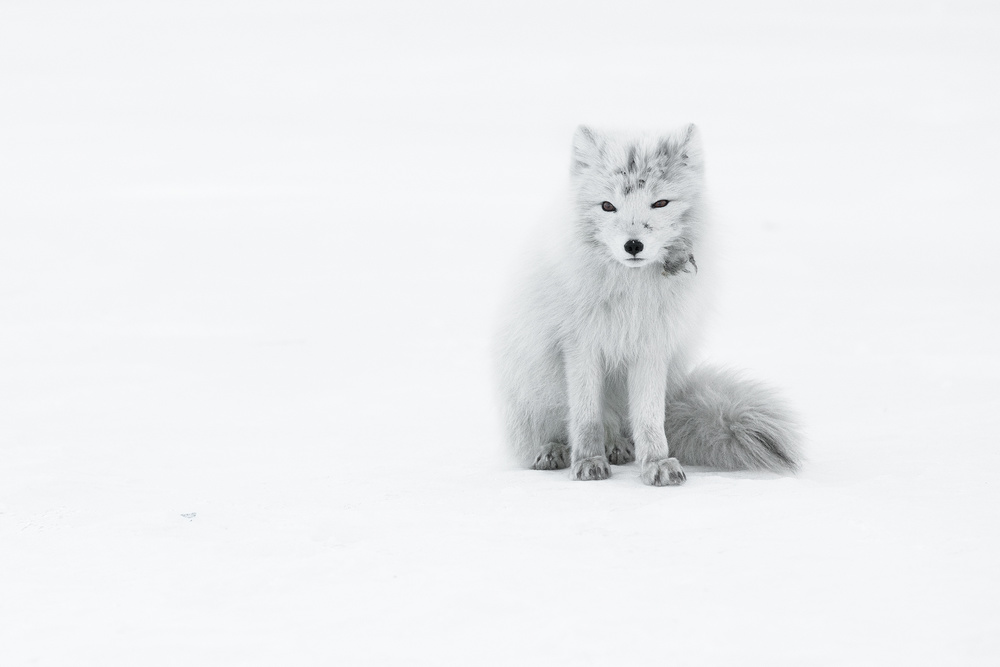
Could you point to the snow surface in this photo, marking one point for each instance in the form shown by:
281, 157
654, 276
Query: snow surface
250, 258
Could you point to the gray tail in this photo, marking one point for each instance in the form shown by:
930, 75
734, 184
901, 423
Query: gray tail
720, 419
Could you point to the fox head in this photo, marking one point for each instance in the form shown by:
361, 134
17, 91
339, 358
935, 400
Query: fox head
637, 197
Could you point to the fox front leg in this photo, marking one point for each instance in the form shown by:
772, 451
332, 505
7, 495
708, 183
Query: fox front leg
647, 391
584, 383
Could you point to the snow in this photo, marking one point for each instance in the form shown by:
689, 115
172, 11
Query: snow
250, 259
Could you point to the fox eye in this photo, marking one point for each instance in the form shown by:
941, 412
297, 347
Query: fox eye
660, 204
608, 206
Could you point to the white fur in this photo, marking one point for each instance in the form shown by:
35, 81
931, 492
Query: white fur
594, 341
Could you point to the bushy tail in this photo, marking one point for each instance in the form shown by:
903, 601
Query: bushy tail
718, 418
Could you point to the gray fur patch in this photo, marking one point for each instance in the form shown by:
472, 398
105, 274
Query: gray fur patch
672, 266
678, 257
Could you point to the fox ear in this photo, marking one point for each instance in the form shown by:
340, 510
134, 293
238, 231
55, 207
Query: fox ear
586, 149
690, 146
682, 148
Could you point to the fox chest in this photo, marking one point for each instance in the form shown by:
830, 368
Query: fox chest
630, 323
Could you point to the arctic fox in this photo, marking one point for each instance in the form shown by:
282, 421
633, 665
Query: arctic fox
593, 363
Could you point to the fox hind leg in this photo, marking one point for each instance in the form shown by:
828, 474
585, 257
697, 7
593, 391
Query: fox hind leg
619, 448
552, 456
539, 437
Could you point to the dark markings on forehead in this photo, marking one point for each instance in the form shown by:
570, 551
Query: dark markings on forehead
635, 171
632, 184
640, 167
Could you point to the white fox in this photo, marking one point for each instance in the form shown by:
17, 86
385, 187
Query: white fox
592, 354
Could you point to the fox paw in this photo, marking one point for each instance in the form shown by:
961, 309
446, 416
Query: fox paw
620, 451
554, 456
665, 472
596, 467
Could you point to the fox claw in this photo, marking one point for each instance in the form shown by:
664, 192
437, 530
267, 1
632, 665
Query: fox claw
620, 451
554, 456
595, 467
666, 472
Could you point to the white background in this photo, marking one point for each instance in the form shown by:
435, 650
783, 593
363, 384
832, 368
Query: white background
250, 257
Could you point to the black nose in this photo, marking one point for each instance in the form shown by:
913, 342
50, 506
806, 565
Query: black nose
633, 247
